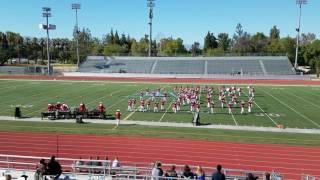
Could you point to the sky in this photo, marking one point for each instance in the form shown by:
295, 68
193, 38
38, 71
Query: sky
187, 19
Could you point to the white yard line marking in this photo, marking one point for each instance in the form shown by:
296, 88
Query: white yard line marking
167, 107
266, 114
297, 112
304, 100
129, 115
234, 119
166, 111
274, 122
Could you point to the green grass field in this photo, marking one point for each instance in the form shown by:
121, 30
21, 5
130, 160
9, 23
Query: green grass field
292, 106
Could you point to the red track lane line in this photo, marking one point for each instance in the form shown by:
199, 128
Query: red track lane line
163, 139
243, 159
205, 152
160, 79
209, 143
242, 150
193, 163
76, 148
166, 157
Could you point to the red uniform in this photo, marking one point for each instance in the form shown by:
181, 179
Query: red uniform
101, 108
50, 107
58, 106
82, 107
118, 115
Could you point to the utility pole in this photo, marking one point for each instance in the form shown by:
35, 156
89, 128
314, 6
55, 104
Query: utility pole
77, 7
46, 12
300, 3
150, 4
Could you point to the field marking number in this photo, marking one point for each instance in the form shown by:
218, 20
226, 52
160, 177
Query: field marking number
270, 114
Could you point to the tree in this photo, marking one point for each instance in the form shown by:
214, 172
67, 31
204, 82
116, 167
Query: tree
140, 48
195, 49
172, 47
210, 41
85, 44
274, 33
241, 41
311, 54
307, 38
224, 41
116, 38
215, 52
113, 49
287, 45
239, 30
259, 42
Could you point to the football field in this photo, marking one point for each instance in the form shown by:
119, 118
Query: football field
291, 106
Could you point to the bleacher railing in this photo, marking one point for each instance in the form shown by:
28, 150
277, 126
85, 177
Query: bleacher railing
104, 169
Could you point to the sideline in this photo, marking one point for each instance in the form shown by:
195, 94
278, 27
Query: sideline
172, 124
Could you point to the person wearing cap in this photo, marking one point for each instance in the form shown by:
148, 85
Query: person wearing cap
101, 107
118, 116
50, 108
82, 107
101, 110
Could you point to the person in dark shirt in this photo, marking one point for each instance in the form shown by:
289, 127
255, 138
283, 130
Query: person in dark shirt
187, 172
54, 168
218, 175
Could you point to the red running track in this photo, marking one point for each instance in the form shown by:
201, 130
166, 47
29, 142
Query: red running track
164, 80
291, 161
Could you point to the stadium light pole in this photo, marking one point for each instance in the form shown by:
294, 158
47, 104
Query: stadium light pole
76, 7
47, 13
300, 3
150, 4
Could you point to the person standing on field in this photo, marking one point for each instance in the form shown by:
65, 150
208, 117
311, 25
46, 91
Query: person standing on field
118, 116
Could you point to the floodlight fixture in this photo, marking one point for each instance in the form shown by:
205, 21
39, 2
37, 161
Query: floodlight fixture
47, 9
76, 7
300, 3
151, 5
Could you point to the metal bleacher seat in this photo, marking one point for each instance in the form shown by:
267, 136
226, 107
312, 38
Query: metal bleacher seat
180, 67
245, 65
130, 66
278, 67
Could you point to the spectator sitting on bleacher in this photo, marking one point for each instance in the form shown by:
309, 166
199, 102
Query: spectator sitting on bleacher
106, 162
200, 175
54, 168
78, 164
267, 176
157, 172
250, 176
218, 175
187, 172
116, 163
41, 170
171, 172
97, 163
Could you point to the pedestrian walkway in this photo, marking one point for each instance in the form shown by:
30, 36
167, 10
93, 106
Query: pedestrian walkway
170, 124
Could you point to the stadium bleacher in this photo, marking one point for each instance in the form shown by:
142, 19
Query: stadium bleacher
259, 65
